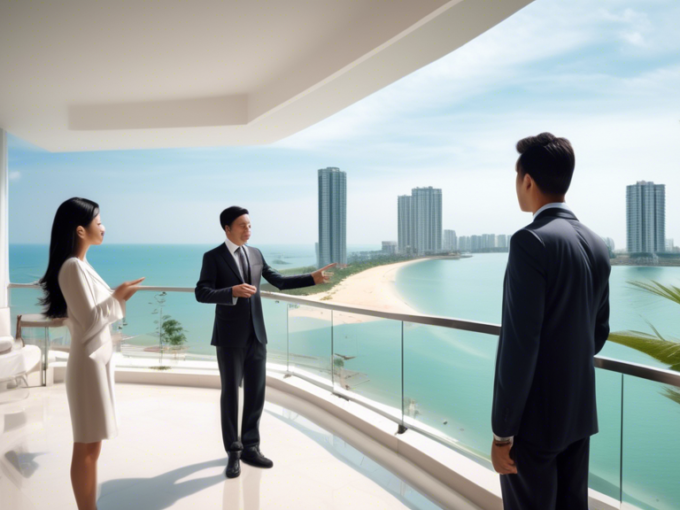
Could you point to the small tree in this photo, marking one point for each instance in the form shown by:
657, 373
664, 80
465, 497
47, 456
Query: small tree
173, 332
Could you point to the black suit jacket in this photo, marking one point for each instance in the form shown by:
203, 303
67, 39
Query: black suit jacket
234, 323
555, 319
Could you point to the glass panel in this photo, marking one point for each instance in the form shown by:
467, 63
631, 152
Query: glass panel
276, 321
141, 337
651, 470
448, 386
605, 447
367, 360
309, 340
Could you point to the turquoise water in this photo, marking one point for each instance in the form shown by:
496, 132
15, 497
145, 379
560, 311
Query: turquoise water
448, 375
473, 289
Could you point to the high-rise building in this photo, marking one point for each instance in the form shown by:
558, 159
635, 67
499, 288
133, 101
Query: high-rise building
488, 241
426, 215
332, 216
405, 225
450, 240
389, 247
609, 242
670, 245
475, 243
420, 221
645, 217
502, 241
464, 244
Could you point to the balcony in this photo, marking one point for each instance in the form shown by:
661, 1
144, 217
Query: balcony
411, 393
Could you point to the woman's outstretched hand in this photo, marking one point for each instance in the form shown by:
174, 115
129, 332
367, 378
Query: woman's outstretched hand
127, 289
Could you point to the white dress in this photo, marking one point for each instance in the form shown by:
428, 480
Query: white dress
91, 309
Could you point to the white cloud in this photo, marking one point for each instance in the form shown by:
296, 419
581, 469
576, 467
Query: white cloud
14, 176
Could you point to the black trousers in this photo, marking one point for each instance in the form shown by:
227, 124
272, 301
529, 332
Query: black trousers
547, 480
247, 364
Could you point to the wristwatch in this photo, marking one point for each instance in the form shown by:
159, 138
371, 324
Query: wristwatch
503, 439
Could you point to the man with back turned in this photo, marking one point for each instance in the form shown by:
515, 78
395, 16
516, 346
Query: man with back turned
555, 319
230, 278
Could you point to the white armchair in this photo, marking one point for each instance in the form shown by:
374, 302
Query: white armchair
16, 359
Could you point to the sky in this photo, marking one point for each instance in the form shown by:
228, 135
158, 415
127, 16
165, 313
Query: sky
603, 73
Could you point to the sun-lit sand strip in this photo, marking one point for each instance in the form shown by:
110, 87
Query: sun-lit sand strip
374, 288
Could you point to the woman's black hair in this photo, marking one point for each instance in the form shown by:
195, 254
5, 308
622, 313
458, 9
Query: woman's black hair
75, 212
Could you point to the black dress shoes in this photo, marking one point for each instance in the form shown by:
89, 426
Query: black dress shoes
233, 465
253, 457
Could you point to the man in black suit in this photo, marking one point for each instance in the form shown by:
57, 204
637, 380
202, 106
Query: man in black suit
555, 319
230, 278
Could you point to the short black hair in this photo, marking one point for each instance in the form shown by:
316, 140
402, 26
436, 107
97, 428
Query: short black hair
548, 160
230, 214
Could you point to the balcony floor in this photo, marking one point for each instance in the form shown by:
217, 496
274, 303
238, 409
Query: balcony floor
169, 454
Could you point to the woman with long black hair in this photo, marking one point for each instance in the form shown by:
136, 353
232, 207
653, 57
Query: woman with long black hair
74, 290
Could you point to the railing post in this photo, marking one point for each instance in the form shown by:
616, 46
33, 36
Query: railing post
332, 354
4, 220
287, 305
623, 378
402, 425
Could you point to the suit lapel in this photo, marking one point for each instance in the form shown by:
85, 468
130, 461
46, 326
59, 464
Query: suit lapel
229, 258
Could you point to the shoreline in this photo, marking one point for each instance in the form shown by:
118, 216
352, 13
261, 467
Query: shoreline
374, 288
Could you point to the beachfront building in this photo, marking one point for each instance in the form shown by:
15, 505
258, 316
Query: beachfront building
450, 241
420, 221
609, 242
464, 244
389, 247
646, 217
475, 243
405, 225
488, 241
332, 216
426, 217
502, 241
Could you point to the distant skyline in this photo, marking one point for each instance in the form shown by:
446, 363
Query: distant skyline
604, 75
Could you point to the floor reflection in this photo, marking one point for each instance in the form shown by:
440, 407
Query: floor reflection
162, 491
159, 461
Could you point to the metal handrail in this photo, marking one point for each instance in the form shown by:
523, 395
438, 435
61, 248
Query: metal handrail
613, 365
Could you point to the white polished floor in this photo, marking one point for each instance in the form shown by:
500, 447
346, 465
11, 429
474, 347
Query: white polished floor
169, 454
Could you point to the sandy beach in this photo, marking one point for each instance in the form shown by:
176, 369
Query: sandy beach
374, 288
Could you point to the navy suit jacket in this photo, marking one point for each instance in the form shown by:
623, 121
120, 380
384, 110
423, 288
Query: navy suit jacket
219, 273
555, 319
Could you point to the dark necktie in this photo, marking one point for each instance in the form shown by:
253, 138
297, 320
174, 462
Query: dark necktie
245, 269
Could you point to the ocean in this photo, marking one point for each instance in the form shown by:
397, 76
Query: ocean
448, 375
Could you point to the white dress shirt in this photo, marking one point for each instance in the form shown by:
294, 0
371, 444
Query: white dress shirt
552, 205
232, 249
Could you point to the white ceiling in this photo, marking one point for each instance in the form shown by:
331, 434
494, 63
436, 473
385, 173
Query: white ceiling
126, 74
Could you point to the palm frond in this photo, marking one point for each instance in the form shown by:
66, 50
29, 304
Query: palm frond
665, 291
672, 393
656, 331
665, 351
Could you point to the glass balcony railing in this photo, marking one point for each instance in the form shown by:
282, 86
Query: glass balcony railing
429, 374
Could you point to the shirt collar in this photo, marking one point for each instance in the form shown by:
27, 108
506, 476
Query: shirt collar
552, 205
231, 246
